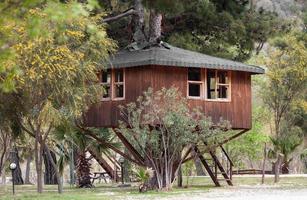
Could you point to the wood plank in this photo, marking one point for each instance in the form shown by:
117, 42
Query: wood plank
138, 79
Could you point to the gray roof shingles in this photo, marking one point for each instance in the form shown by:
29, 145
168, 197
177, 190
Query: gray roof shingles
173, 56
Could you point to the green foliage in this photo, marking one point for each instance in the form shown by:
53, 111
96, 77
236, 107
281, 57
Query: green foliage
143, 174
59, 64
161, 126
223, 29
228, 29
187, 169
250, 145
286, 78
285, 144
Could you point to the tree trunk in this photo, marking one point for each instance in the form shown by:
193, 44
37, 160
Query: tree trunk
38, 152
155, 21
17, 174
179, 181
83, 171
50, 177
3, 177
138, 23
72, 165
126, 168
53, 163
277, 168
28, 168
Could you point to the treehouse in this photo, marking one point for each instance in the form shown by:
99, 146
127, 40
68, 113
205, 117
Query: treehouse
222, 88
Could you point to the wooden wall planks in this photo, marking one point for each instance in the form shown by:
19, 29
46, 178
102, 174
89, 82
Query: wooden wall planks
139, 79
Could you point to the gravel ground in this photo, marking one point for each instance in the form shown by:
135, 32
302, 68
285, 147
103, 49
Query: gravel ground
246, 193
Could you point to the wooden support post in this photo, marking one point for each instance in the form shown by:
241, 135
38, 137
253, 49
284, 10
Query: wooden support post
129, 147
207, 167
103, 163
220, 167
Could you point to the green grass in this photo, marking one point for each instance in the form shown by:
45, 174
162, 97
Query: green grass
109, 191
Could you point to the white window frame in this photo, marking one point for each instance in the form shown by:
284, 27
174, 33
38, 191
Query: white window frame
118, 83
203, 86
106, 84
112, 85
228, 99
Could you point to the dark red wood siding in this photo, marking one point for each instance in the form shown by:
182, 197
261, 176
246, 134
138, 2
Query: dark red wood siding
138, 79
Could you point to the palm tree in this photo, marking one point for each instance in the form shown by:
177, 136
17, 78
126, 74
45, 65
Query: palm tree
70, 138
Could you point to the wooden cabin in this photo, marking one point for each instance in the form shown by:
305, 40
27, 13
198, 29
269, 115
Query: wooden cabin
221, 87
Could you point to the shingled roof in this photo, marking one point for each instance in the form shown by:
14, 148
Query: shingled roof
167, 55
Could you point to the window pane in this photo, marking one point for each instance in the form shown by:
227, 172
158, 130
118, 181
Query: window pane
211, 82
106, 76
223, 77
106, 93
119, 91
194, 90
119, 75
223, 92
194, 74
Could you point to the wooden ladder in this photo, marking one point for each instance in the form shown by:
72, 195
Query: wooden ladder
217, 165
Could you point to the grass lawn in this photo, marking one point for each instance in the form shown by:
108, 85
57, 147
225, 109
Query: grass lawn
198, 185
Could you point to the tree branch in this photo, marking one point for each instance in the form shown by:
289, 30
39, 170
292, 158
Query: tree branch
126, 13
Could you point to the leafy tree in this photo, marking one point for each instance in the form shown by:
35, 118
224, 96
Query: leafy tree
59, 60
229, 29
285, 85
162, 128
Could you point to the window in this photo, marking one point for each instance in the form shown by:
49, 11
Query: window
118, 83
106, 83
195, 83
218, 85
113, 82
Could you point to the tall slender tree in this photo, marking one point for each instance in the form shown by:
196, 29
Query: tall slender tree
59, 59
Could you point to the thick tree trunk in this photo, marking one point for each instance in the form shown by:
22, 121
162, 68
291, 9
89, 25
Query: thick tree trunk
155, 21
28, 168
138, 22
83, 171
53, 163
17, 174
50, 177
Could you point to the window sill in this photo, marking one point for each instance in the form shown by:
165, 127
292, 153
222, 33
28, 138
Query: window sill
219, 100
106, 99
209, 100
118, 99
197, 98
114, 99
